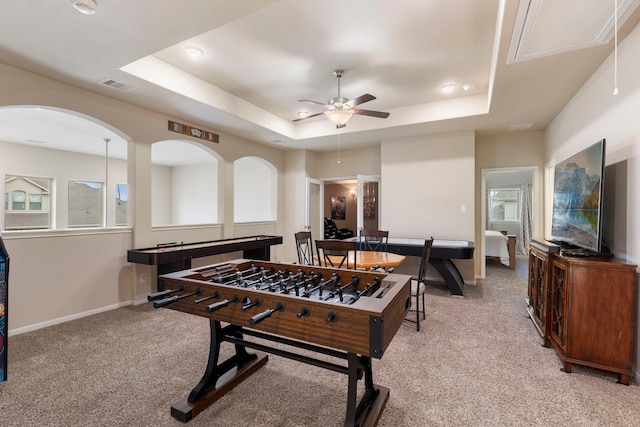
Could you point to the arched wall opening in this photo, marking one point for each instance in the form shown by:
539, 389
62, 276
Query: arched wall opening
186, 184
255, 191
71, 167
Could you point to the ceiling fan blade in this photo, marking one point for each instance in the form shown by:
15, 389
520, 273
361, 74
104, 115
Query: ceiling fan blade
313, 102
308, 117
360, 100
379, 114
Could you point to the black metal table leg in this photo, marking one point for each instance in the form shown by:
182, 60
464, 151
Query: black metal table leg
218, 379
356, 415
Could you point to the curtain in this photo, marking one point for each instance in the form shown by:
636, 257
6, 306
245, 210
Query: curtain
525, 221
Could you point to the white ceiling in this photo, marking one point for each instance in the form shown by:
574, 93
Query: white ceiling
261, 56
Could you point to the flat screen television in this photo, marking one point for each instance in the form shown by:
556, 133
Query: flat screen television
577, 199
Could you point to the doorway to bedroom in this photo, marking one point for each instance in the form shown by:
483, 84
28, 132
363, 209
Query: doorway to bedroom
509, 207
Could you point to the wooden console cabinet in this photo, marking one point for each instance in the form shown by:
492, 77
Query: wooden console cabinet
584, 308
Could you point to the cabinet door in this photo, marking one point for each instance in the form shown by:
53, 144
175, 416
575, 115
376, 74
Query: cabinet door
600, 314
558, 294
537, 288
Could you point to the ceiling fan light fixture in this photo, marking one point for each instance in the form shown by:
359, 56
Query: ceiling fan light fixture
339, 117
86, 7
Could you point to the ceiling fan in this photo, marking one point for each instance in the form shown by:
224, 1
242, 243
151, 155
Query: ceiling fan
340, 110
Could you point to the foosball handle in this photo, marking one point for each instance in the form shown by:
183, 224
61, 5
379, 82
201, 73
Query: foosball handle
167, 301
221, 304
163, 302
158, 295
260, 317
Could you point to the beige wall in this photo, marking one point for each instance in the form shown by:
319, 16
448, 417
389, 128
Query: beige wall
426, 184
61, 277
364, 161
80, 273
595, 113
510, 151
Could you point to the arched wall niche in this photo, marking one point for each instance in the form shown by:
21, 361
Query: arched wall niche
186, 183
255, 190
65, 149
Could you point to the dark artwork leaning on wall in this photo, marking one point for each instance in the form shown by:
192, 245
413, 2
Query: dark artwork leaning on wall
4, 302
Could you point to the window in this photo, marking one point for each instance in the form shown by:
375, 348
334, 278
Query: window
35, 202
85, 204
504, 204
121, 204
18, 198
26, 203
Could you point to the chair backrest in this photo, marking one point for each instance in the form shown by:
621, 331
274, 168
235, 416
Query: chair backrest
374, 240
330, 224
304, 244
330, 229
426, 252
336, 253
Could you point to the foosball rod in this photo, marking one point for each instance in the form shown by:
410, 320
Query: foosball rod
158, 295
221, 304
216, 294
166, 301
263, 278
220, 278
371, 287
319, 286
265, 314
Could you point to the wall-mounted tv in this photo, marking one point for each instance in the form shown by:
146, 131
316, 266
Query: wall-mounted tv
577, 199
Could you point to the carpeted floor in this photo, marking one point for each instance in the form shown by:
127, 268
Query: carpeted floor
477, 361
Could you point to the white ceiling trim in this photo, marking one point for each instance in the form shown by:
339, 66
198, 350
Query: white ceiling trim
171, 78
544, 27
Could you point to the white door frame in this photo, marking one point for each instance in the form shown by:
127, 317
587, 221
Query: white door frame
536, 207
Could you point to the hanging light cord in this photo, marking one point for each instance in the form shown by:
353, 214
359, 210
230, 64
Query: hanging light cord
615, 48
106, 176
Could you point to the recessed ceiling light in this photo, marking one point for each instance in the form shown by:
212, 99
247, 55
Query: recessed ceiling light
468, 87
194, 51
86, 7
448, 88
303, 113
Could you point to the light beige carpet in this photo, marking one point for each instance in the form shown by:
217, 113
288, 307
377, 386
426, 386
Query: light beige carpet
477, 361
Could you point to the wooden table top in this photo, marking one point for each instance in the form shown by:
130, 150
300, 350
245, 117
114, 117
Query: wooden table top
368, 259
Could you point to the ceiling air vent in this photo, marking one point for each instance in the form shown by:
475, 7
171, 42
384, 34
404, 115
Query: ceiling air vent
116, 85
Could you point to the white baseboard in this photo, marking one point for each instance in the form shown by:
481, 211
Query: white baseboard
59, 320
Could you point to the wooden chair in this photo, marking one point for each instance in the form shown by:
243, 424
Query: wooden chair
304, 245
335, 253
418, 283
374, 240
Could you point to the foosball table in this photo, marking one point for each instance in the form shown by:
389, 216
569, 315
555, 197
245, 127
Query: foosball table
348, 315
